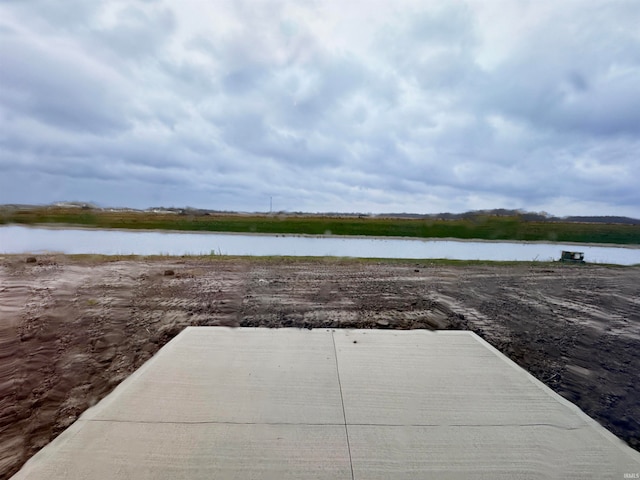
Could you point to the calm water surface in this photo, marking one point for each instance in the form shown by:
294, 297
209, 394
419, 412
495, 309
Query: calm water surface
17, 239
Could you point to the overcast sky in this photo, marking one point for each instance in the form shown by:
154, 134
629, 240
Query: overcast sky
354, 106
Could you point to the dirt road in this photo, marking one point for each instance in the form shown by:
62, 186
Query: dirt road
72, 329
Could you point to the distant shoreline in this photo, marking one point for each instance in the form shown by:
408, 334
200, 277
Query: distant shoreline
479, 227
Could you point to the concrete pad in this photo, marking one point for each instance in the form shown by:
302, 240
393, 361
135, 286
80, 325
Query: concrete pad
447, 405
437, 378
219, 374
159, 451
487, 452
360, 404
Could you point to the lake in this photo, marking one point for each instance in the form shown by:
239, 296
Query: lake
20, 240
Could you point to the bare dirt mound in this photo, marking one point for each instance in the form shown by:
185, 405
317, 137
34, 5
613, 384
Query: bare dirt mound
71, 330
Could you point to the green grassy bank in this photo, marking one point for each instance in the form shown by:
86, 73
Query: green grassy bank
481, 227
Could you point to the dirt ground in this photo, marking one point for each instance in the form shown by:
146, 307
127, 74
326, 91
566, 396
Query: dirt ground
72, 329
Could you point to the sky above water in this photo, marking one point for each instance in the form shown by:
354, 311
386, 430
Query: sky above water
343, 106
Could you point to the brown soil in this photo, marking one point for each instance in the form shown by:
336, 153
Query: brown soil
72, 329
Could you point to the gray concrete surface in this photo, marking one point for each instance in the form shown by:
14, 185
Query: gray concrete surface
353, 404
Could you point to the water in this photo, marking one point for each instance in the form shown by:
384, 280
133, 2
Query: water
16, 239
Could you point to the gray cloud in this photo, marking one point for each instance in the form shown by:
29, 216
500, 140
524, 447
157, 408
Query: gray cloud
412, 107
55, 90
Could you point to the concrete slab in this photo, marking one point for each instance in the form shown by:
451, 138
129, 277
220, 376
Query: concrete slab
233, 375
437, 378
170, 451
360, 404
448, 405
487, 452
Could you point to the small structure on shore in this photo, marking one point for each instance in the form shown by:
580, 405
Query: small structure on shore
572, 257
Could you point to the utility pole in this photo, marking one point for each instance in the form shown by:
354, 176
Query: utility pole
270, 204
